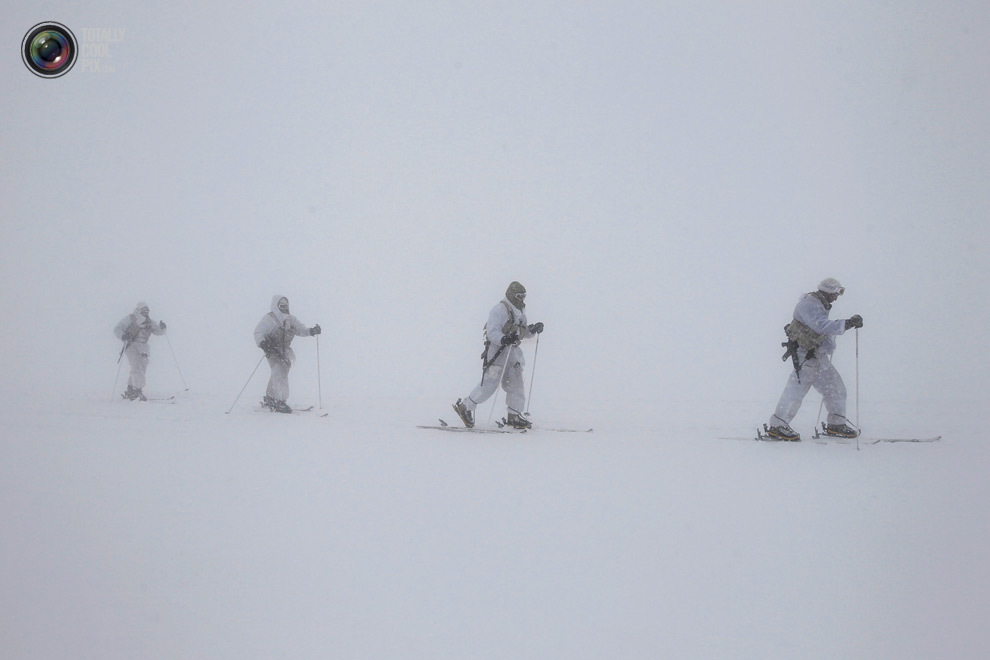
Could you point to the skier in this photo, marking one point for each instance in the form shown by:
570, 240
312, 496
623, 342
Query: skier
503, 359
273, 335
811, 342
134, 330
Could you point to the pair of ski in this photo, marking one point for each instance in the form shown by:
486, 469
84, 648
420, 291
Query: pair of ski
501, 427
294, 411
156, 399
824, 436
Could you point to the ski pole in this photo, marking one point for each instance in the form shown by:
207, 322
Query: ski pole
115, 379
857, 377
532, 374
245, 385
495, 397
172, 351
498, 386
123, 348
501, 373
857, 390
319, 380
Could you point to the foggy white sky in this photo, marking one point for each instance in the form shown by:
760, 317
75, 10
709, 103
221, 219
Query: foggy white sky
665, 178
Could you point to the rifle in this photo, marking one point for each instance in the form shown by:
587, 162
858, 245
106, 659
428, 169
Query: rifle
487, 363
792, 347
791, 352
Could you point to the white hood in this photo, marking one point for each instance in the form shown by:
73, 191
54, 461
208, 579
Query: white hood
279, 315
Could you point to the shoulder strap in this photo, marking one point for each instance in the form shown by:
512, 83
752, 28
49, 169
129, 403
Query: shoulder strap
821, 298
278, 324
512, 317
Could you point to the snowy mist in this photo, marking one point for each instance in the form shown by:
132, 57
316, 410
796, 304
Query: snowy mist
666, 181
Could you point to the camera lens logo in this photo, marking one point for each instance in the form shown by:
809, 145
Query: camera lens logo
49, 50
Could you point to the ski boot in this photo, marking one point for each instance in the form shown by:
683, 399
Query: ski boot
783, 432
134, 394
466, 415
268, 402
281, 407
839, 430
517, 421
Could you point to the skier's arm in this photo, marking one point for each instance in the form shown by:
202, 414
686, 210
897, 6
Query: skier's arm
157, 328
298, 328
815, 317
527, 331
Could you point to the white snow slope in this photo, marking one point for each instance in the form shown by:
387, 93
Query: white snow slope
149, 530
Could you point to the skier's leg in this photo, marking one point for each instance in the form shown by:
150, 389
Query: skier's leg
793, 394
132, 358
515, 396
280, 376
833, 392
515, 393
278, 382
138, 360
485, 389
270, 389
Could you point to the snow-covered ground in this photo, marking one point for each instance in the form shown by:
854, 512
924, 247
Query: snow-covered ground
149, 530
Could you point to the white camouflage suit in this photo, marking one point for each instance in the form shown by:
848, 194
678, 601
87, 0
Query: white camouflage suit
279, 328
502, 320
817, 372
137, 327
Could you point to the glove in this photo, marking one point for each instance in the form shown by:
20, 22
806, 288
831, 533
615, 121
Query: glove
315, 330
536, 328
268, 346
511, 338
854, 321
161, 324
